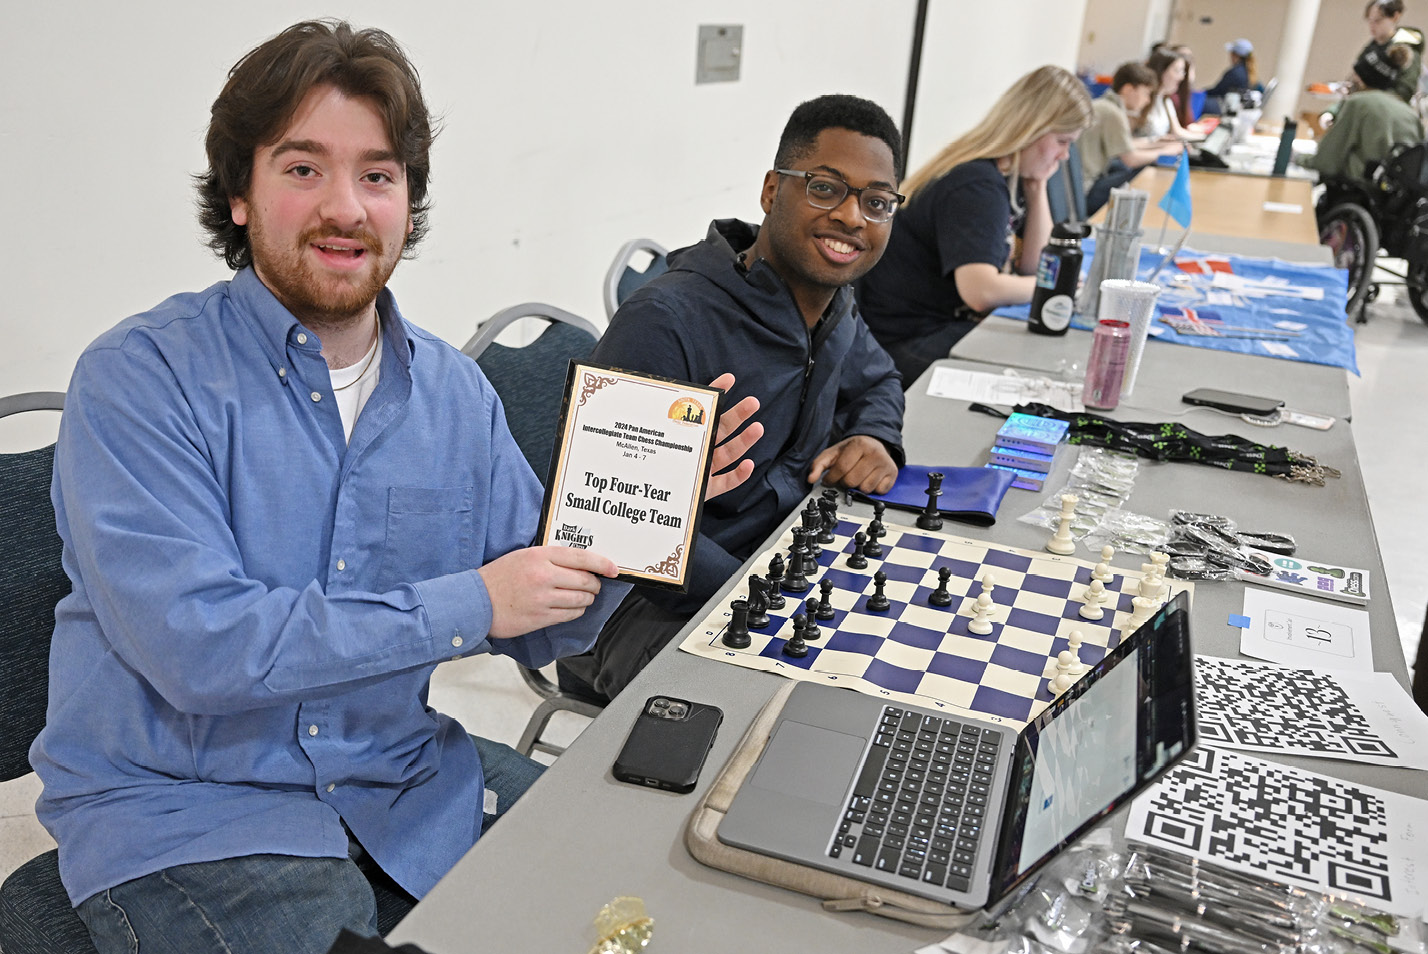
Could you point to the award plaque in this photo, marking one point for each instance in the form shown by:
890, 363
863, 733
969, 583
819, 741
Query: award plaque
628, 474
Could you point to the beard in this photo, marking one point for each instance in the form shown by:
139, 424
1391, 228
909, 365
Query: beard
316, 298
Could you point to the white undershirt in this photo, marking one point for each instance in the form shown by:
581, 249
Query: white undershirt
352, 386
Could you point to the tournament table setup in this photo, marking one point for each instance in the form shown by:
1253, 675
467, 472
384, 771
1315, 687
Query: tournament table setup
579, 838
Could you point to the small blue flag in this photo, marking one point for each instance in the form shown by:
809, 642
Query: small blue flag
1177, 198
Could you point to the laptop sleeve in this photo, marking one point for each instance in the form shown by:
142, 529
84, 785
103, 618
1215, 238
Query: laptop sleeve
838, 893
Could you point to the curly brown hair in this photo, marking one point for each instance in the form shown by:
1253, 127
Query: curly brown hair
265, 89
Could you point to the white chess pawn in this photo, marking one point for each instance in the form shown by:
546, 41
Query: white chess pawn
1073, 642
981, 621
1061, 542
1060, 683
1065, 661
988, 584
1094, 596
1103, 572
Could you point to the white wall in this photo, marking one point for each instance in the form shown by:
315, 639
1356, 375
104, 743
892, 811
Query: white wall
569, 128
973, 51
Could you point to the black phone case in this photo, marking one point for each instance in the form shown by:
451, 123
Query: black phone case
1232, 401
668, 754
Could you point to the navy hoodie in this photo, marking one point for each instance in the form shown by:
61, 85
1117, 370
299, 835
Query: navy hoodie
706, 316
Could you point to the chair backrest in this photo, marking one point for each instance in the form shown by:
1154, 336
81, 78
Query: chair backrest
623, 278
531, 379
32, 581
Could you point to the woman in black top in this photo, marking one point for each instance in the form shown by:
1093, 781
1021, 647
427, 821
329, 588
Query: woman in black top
946, 263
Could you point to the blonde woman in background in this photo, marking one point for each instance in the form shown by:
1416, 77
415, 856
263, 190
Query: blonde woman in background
950, 258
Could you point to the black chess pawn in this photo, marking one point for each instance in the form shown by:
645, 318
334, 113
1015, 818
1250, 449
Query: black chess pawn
811, 629
758, 602
796, 580
873, 550
879, 602
931, 517
942, 596
825, 604
797, 644
879, 507
736, 634
856, 560
776, 582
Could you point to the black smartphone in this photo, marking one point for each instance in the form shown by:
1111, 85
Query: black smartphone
1232, 401
668, 745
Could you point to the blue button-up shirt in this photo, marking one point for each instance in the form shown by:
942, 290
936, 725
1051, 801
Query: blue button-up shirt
258, 605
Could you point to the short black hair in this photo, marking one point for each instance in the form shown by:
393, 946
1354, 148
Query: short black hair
835, 111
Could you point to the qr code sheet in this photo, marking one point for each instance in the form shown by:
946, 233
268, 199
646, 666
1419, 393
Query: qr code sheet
1272, 707
1285, 824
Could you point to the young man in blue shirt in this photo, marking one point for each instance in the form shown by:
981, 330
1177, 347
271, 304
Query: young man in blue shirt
278, 505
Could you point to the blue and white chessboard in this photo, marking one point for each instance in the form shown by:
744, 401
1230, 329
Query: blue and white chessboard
922, 654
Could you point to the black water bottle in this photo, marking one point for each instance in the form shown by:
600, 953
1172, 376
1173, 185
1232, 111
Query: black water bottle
1057, 273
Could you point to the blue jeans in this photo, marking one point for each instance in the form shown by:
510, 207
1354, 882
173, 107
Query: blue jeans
259, 904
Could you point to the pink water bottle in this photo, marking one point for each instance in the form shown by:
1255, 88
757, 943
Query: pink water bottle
1106, 368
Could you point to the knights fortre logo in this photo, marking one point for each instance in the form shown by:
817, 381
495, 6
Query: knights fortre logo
686, 411
573, 536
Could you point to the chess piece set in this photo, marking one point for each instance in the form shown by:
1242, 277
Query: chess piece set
788, 577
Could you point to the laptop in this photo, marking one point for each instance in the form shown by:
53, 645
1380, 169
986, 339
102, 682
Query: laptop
963, 810
1210, 153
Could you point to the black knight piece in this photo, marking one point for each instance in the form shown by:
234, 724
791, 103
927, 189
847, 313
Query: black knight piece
758, 602
829, 511
736, 634
931, 518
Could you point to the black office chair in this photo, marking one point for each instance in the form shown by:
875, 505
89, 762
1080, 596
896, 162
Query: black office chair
531, 383
35, 912
623, 278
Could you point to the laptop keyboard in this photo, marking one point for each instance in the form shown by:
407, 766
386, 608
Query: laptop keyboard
920, 801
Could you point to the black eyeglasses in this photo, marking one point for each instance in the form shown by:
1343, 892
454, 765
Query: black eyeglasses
828, 192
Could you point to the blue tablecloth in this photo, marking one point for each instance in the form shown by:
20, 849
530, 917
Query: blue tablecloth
1326, 338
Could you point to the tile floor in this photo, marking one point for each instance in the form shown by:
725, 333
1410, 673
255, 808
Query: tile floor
488, 697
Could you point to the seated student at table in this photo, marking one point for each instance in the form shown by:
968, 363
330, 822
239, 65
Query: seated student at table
1239, 78
1110, 157
1160, 120
282, 505
1371, 123
947, 261
774, 303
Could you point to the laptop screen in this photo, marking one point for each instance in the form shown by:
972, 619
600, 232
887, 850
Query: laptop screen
1114, 732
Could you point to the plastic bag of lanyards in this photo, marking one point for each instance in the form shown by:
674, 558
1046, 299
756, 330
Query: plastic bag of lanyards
1058, 913
1101, 480
1211, 547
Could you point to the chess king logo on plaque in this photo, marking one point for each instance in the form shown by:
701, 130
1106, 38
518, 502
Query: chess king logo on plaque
628, 474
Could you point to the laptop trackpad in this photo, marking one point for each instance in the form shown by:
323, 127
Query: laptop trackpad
810, 762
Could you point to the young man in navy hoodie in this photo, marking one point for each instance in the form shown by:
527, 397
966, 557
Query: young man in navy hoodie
774, 304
